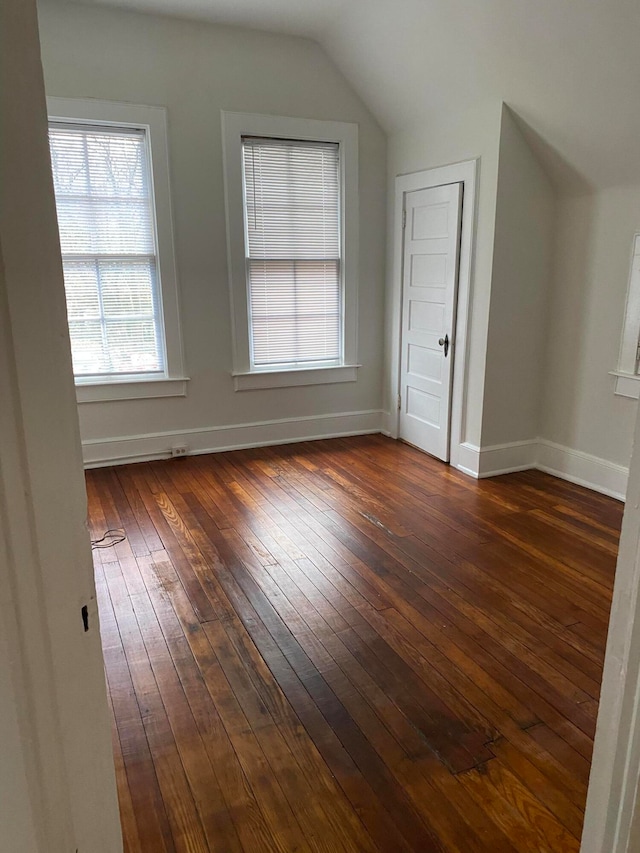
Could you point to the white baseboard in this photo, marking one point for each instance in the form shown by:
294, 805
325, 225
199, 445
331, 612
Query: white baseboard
141, 448
582, 468
575, 466
468, 460
507, 458
479, 462
389, 424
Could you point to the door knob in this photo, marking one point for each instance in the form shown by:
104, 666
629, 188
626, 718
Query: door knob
444, 342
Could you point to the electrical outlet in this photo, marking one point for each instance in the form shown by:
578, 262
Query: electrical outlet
179, 450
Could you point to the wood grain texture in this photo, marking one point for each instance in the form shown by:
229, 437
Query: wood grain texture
346, 645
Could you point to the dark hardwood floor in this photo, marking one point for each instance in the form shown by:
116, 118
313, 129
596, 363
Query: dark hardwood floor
347, 645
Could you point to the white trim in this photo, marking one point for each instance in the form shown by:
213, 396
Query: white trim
135, 389
612, 814
469, 459
582, 468
566, 463
52, 668
234, 126
594, 473
626, 384
628, 355
466, 174
388, 419
507, 458
139, 448
25, 637
295, 377
154, 121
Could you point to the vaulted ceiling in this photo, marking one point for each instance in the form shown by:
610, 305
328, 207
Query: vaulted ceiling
570, 69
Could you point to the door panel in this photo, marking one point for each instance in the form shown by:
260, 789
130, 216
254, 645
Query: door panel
424, 363
430, 278
428, 270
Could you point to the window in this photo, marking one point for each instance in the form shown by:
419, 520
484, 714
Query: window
107, 237
628, 372
292, 221
292, 216
117, 302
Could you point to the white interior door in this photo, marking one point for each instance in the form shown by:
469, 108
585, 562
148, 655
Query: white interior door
430, 278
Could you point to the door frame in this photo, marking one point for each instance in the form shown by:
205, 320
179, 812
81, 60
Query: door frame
464, 173
612, 815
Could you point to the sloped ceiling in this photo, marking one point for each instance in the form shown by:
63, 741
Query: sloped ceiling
569, 69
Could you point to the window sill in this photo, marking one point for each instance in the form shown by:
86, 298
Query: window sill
130, 389
627, 384
294, 378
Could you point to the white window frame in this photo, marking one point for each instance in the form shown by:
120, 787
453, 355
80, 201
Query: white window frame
234, 127
153, 120
627, 374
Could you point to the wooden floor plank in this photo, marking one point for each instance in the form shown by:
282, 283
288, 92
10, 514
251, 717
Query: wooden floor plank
346, 645
195, 662
244, 608
142, 811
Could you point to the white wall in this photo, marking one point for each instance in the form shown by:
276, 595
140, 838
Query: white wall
196, 70
57, 785
521, 273
548, 292
464, 136
593, 252
612, 815
18, 825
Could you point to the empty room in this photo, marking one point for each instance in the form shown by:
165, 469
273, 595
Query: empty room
319, 361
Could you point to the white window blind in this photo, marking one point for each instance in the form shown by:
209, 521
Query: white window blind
292, 220
107, 234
